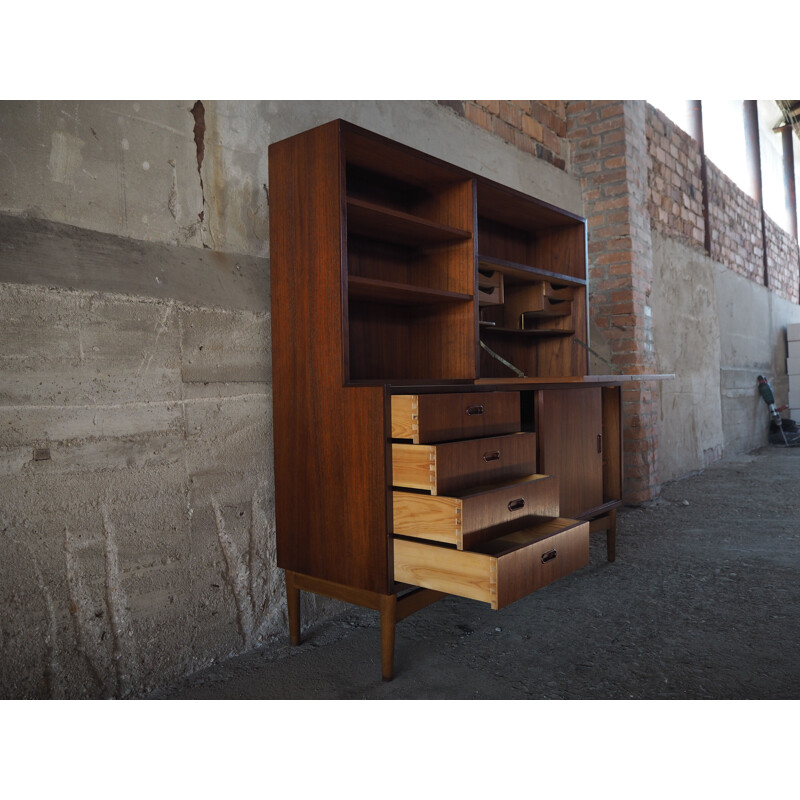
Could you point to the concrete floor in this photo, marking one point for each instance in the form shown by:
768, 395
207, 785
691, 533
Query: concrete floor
703, 602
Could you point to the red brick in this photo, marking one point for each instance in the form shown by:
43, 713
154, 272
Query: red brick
502, 129
532, 128
510, 114
617, 216
493, 106
587, 119
479, 116
576, 106
618, 257
610, 176
612, 109
524, 143
613, 163
551, 141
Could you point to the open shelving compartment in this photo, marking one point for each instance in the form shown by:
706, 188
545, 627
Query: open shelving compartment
409, 252
534, 322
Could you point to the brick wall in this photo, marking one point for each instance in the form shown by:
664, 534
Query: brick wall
676, 210
783, 262
676, 188
610, 155
538, 127
735, 222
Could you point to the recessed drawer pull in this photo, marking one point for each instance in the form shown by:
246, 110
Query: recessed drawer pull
549, 556
493, 455
516, 505
473, 410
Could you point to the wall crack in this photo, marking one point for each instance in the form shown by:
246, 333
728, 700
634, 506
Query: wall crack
198, 112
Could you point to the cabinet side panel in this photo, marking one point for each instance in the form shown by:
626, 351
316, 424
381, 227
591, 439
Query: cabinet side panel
330, 480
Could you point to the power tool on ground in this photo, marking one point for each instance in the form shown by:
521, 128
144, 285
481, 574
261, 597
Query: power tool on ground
768, 396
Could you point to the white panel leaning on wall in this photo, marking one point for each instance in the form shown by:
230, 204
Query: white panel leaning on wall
793, 368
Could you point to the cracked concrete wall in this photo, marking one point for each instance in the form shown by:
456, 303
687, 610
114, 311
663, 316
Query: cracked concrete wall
131, 168
136, 489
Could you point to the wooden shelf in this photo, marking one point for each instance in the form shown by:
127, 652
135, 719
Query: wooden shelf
540, 333
385, 224
525, 273
400, 293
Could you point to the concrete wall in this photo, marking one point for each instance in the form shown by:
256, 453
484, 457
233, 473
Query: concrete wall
136, 492
717, 331
686, 333
752, 324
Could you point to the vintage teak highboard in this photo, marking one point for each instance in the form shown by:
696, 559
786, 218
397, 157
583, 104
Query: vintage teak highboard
435, 430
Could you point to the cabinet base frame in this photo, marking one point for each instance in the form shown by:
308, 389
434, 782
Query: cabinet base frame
392, 607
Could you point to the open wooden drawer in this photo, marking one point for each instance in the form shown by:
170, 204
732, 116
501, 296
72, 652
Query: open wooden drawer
428, 418
453, 467
502, 570
475, 515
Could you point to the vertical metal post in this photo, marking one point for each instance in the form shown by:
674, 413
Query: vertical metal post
754, 160
787, 140
696, 119
787, 137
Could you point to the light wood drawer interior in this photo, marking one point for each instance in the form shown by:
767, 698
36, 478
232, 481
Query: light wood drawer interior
427, 418
501, 571
476, 515
453, 467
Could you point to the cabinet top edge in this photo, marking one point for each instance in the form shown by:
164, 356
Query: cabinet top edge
485, 186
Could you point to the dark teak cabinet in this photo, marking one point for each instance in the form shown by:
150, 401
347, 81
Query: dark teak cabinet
435, 431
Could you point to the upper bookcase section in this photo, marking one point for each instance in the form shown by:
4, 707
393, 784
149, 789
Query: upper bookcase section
519, 232
408, 244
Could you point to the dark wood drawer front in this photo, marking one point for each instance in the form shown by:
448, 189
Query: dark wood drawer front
428, 418
454, 467
476, 516
501, 571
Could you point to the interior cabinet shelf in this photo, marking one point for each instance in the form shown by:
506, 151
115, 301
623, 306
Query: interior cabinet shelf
522, 272
534, 333
371, 220
400, 293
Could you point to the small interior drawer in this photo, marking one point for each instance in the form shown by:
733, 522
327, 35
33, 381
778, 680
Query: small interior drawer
501, 571
476, 515
427, 418
453, 467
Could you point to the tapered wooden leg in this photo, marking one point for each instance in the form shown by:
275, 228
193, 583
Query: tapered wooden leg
388, 609
607, 523
293, 606
611, 535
